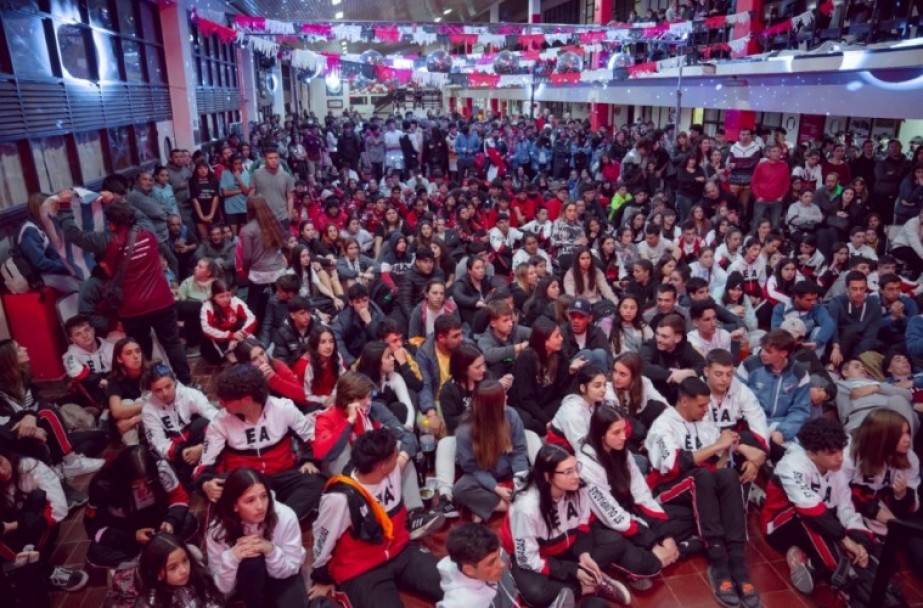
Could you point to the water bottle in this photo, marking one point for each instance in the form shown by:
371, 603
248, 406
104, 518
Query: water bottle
419, 462
427, 445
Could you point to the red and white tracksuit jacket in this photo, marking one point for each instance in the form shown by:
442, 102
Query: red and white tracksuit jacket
865, 488
79, 363
236, 317
165, 423
740, 404
670, 443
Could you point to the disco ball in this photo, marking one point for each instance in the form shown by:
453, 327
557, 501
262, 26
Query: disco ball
569, 63
620, 60
371, 57
439, 62
506, 63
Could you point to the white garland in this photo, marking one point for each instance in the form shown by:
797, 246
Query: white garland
279, 27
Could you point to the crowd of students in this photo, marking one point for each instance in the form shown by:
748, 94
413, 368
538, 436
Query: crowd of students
606, 364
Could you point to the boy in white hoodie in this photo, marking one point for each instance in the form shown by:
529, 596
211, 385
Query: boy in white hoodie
475, 573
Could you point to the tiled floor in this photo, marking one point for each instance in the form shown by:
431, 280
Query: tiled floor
683, 584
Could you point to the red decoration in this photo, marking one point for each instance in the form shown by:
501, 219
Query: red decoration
592, 37
250, 23
569, 78
387, 33
713, 23
527, 41
656, 31
483, 80
463, 38
207, 28
778, 28
383, 72
313, 29
643, 68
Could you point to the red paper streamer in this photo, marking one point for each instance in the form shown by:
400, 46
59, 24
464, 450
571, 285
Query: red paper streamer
483, 80
714, 23
571, 78
463, 38
250, 23
313, 29
527, 41
643, 68
387, 34
657, 30
207, 28
778, 28
592, 37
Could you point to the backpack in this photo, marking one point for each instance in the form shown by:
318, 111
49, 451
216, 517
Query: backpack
19, 276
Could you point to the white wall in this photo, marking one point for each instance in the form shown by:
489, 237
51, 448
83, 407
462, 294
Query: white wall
910, 129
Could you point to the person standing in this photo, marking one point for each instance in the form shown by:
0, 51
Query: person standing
276, 186
769, 185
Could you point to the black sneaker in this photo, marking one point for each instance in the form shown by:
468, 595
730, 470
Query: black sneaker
74, 497
691, 546
446, 508
68, 579
420, 523
723, 588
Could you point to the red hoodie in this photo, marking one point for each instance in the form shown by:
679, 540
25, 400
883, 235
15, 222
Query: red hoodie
770, 181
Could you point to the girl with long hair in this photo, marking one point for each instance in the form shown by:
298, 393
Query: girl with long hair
584, 280
558, 553
884, 473
635, 394
467, 369
621, 499
491, 451
607, 256
322, 366
173, 577
839, 264
752, 266
125, 389
543, 376
377, 362
132, 498
32, 504
281, 379
629, 330
780, 287
470, 291
40, 251
524, 282
433, 304
316, 283
36, 428
705, 268
203, 192
734, 299
195, 289
254, 544
259, 253
730, 250
543, 298
569, 426
226, 322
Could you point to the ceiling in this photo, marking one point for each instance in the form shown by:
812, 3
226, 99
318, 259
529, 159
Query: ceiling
425, 11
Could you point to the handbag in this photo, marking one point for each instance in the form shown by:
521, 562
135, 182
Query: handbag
114, 291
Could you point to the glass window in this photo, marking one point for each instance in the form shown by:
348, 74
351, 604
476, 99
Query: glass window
13, 189
200, 76
90, 154
120, 148
51, 163
101, 14
127, 22
75, 57
107, 54
148, 23
203, 128
146, 135
131, 53
25, 35
155, 71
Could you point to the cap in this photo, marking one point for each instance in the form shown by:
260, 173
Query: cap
794, 326
425, 253
580, 307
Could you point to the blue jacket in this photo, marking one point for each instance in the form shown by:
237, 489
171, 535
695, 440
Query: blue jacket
429, 368
36, 247
785, 397
889, 325
915, 336
818, 316
466, 146
521, 152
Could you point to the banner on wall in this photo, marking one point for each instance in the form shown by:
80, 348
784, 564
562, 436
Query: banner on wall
811, 127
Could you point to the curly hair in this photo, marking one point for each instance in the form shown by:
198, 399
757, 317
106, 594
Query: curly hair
822, 435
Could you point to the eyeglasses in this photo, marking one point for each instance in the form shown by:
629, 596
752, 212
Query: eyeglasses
571, 472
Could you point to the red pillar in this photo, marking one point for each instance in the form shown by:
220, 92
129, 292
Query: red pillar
735, 120
599, 112
494, 106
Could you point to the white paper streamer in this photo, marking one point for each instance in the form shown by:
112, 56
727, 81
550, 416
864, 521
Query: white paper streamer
683, 27
419, 36
279, 27
264, 46
518, 80
495, 40
349, 33
739, 45
804, 19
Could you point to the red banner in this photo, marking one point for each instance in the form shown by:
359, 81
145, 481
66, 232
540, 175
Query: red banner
314, 29
483, 80
592, 37
527, 41
464, 38
207, 28
387, 34
250, 23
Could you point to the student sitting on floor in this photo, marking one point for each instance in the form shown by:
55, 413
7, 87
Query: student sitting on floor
88, 360
475, 573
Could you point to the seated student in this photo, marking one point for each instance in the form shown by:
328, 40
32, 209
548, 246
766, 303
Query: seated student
707, 336
433, 358
819, 326
254, 429
900, 372
809, 512
629, 389
544, 376
357, 324
286, 288
389, 331
669, 358
361, 540
569, 426
470, 291
172, 576
226, 322
320, 366
857, 317
667, 303
290, 339
281, 379
884, 474
504, 339
125, 388
133, 497
558, 553
434, 303
474, 573
582, 339
174, 419
193, 291
688, 454
620, 499
254, 544
896, 309
88, 360
377, 362
858, 394
491, 452
781, 385
31, 507
35, 428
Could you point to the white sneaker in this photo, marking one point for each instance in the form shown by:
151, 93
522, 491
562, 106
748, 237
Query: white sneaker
81, 465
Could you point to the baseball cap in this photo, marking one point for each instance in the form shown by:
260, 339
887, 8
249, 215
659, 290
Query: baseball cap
580, 307
794, 326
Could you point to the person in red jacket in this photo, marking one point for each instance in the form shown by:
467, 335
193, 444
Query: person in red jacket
281, 379
769, 186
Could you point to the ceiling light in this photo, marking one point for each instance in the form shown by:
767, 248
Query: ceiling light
447, 11
339, 15
438, 19
335, 2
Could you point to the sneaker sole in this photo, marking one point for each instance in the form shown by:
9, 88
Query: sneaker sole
799, 573
616, 592
428, 527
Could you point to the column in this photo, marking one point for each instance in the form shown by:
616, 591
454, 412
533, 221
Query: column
246, 80
278, 90
599, 112
735, 120
181, 73
495, 12
535, 11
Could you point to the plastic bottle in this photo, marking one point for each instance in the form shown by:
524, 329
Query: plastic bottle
427, 444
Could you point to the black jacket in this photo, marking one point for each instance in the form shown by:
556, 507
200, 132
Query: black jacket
289, 343
658, 365
412, 286
352, 333
595, 338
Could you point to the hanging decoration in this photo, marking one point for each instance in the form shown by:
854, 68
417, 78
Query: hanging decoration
439, 62
569, 63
